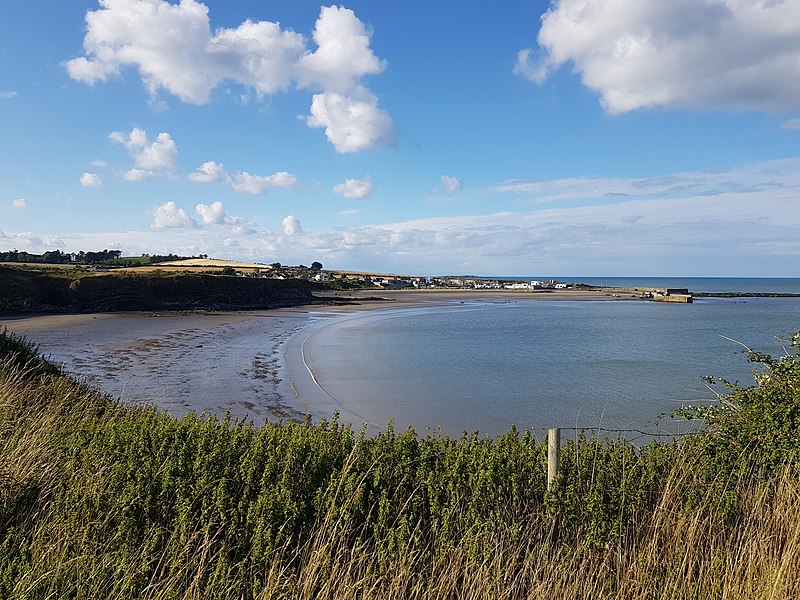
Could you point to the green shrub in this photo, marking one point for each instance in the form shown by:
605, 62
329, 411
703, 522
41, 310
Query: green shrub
102, 500
756, 429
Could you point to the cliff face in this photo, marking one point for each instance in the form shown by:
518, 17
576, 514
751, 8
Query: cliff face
28, 291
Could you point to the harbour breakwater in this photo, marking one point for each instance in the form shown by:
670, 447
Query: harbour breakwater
746, 295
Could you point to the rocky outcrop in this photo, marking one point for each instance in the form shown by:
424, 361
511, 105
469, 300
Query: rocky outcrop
30, 291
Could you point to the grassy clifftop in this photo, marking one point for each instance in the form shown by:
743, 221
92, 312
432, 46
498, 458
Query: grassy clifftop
39, 291
100, 500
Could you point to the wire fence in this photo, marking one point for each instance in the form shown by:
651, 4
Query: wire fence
634, 435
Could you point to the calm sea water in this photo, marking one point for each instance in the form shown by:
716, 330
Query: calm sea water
538, 364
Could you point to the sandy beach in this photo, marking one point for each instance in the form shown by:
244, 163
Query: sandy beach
178, 362
250, 364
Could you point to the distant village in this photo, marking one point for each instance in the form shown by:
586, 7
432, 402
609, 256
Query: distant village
348, 279
394, 282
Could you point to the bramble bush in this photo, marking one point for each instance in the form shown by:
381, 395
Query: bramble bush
755, 430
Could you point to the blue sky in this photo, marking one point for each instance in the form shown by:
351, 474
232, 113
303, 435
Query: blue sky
578, 137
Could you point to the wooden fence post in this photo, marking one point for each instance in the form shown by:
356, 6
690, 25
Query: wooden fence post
553, 454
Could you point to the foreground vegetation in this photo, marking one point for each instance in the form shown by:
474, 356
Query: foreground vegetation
100, 500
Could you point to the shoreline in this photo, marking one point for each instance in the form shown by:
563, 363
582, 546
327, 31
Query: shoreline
303, 383
213, 363
251, 364
223, 361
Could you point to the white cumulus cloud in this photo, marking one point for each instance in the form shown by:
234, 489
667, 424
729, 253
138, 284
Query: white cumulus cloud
19, 203
170, 215
739, 54
211, 213
352, 124
343, 55
137, 175
239, 225
291, 226
173, 49
354, 189
243, 182
256, 185
161, 155
91, 180
214, 214
208, 172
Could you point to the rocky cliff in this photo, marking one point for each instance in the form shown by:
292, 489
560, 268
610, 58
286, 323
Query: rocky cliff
32, 291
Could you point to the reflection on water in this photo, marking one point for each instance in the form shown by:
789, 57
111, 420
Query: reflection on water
541, 364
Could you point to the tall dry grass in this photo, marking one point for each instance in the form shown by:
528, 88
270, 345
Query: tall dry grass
72, 525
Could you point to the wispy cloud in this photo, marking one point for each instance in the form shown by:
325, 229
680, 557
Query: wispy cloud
449, 185
256, 185
739, 221
757, 177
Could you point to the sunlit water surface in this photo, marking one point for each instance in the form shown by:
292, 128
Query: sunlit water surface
538, 364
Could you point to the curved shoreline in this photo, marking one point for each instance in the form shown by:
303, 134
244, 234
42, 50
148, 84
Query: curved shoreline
207, 362
302, 385
257, 365
309, 390
300, 379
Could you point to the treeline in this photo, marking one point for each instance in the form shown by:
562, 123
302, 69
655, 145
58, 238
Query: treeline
103, 257
98, 499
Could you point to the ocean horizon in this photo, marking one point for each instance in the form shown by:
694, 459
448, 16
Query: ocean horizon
764, 285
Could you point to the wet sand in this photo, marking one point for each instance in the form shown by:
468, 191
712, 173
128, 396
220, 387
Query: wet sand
213, 363
250, 364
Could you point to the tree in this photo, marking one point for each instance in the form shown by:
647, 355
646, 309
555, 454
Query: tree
316, 266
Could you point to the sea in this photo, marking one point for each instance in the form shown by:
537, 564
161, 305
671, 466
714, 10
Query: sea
765, 285
618, 368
